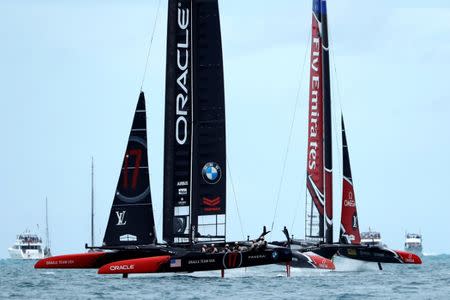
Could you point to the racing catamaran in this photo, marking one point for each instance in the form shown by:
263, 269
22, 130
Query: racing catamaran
319, 200
194, 212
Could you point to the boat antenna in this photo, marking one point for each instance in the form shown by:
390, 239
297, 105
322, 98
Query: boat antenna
92, 201
47, 233
150, 46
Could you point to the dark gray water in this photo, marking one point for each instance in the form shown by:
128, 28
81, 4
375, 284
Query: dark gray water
352, 280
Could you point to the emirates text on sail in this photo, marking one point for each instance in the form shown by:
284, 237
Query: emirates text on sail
314, 113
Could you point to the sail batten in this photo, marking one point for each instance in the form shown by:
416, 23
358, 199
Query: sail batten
131, 220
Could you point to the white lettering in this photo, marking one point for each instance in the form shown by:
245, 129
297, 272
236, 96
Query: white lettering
181, 124
121, 267
349, 203
186, 60
183, 18
121, 218
314, 134
181, 120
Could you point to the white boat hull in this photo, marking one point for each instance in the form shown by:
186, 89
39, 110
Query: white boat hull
26, 254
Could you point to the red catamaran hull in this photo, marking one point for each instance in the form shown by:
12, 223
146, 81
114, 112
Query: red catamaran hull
311, 260
93, 260
137, 265
71, 261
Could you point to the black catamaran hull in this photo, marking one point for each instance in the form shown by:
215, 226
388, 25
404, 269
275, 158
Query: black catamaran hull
365, 253
197, 261
304, 259
161, 260
379, 254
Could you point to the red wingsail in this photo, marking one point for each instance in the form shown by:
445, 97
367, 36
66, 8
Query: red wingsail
315, 159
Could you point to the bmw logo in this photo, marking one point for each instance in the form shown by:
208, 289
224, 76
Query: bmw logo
211, 173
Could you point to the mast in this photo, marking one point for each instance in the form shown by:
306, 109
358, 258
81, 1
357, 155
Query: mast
194, 156
328, 159
349, 233
92, 201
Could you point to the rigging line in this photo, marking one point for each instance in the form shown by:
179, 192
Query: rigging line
336, 118
150, 46
339, 97
337, 144
298, 204
336, 76
335, 70
235, 200
306, 212
291, 129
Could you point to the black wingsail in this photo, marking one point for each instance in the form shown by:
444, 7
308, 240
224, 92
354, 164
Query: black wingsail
178, 124
208, 156
194, 160
131, 220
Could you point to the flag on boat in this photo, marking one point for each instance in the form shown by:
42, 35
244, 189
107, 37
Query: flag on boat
175, 263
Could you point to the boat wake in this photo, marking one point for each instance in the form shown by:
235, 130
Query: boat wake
352, 265
434, 254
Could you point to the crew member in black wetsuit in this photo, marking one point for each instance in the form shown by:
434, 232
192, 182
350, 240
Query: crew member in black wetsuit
226, 249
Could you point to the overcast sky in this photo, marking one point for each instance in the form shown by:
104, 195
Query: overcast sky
70, 73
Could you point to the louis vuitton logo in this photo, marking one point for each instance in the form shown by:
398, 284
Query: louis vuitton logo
121, 218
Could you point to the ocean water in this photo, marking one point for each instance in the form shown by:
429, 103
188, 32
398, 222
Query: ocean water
351, 280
